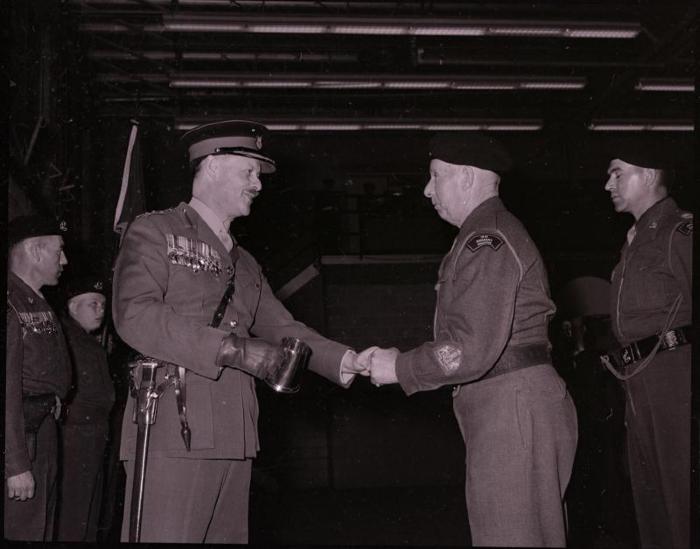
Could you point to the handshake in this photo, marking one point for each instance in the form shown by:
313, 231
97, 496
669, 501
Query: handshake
260, 358
377, 363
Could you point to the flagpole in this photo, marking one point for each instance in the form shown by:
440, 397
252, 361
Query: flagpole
126, 176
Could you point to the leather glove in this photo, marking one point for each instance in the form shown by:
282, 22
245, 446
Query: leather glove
254, 356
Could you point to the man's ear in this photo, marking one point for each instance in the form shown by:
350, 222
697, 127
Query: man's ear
211, 165
650, 176
72, 305
468, 174
33, 248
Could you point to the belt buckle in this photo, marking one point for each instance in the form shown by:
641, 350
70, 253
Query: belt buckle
630, 354
671, 340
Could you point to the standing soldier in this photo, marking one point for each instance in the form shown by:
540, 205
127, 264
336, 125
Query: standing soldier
186, 293
651, 317
490, 343
85, 429
37, 375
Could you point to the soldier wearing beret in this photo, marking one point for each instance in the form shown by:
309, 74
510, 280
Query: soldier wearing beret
490, 344
85, 426
651, 318
37, 375
173, 268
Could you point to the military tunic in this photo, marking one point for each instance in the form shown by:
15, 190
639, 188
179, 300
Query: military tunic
170, 275
84, 435
519, 427
36, 364
654, 269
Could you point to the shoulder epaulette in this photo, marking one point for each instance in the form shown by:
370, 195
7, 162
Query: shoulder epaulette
155, 212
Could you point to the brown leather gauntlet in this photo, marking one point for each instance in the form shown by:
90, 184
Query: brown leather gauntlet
253, 356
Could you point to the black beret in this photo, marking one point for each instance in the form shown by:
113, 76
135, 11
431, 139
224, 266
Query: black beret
29, 226
238, 137
84, 284
652, 155
469, 149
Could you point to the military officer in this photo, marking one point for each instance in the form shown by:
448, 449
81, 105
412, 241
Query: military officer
85, 427
37, 375
490, 342
173, 268
651, 317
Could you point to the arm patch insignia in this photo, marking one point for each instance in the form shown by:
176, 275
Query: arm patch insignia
685, 228
485, 239
449, 357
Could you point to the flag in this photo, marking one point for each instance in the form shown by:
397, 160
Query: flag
131, 200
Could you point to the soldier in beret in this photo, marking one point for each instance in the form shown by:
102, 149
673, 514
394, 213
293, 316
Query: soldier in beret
37, 376
85, 427
491, 345
172, 271
651, 318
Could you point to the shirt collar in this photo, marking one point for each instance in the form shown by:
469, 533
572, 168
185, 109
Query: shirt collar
212, 220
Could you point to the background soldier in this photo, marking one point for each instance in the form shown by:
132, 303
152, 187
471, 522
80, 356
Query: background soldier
490, 342
651, 316
85, 428
37, 375
173, 268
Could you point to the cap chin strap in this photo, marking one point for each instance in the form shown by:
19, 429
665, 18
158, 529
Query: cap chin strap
269, 165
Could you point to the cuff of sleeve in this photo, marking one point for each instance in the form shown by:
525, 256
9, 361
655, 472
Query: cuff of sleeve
346, 377
405, 374
16, 463
212, 343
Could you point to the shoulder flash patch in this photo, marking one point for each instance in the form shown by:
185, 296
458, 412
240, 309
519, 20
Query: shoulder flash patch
484, 239
685, 228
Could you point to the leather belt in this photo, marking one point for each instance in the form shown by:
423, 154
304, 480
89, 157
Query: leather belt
518, 357
35, 408
637, 350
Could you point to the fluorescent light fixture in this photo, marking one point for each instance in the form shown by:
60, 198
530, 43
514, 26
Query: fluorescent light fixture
640, 126
378, 26
221, 80
346, 84
343, 125
665, 85
275, 84
553, 84
417, 84
602, 33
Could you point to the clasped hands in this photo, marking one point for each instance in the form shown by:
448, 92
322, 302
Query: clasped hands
377, 363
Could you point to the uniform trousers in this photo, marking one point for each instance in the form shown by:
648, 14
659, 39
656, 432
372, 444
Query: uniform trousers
80, 494
520, 434
33, 519
657, 417
192, 500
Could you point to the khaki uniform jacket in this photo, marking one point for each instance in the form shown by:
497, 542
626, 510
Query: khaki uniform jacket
653, 270
492, 293
169, 278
